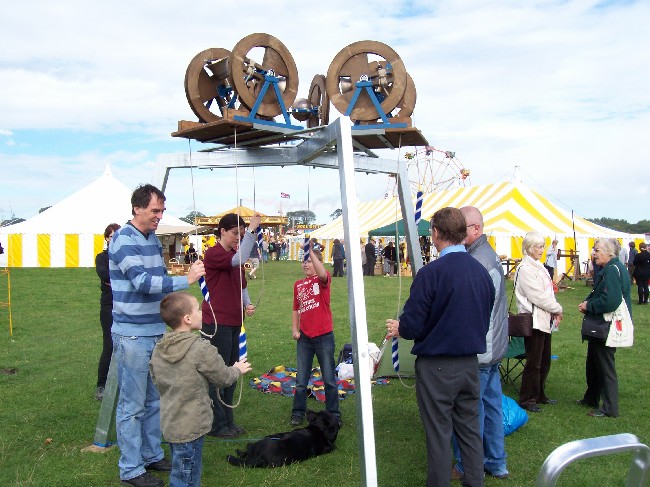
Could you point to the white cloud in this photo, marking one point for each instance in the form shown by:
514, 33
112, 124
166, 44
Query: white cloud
557, 88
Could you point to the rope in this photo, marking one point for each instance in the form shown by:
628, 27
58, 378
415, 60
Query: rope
202, 284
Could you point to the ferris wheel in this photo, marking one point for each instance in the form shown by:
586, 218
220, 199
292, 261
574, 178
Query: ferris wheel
431, 170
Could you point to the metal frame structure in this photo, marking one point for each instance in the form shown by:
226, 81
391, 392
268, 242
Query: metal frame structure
564, 455
332, 147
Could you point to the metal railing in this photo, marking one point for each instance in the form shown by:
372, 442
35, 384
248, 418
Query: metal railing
568, 453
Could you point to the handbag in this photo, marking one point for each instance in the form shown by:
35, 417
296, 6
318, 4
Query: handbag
519, 324
595, 327
621, 331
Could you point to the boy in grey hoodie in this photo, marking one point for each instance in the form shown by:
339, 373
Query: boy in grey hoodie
181, 366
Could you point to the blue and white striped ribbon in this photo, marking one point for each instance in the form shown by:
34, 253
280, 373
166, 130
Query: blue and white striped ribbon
305, 249
260, 237
395, 355
243, 352
204, 289
418, 207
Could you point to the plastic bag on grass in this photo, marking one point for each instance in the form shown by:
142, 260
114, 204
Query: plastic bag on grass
514, 416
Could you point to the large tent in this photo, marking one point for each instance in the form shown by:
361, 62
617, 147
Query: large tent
71, 233
510, 210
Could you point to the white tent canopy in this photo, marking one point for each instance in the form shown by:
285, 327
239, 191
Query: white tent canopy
510, 210
71, 233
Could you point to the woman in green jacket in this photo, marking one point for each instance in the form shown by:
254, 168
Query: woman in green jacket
612, 285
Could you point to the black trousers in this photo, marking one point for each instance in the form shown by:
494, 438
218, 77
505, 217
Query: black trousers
106, 320
227, 342
602, 381
642, 286
338, 268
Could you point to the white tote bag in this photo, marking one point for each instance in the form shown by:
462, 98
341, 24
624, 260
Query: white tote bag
621, 331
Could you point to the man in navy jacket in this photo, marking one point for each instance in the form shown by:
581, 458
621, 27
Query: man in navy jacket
447, 315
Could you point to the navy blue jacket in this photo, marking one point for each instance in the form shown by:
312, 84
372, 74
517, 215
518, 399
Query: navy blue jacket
448, 310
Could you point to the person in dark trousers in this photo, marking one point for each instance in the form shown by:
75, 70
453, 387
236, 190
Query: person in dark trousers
447, 315
642, 272
105, 312
338, 255
371, 258
612, 286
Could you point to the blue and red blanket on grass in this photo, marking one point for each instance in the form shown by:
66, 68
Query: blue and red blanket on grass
282, 380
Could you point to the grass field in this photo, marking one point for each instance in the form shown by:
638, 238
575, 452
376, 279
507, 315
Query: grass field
48, 414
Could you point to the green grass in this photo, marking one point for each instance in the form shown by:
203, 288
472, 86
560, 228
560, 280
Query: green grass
47, 411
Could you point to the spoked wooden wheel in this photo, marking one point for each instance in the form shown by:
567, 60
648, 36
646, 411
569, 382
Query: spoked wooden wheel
318, 98
247, 76
207, 71
407, 103
369, 59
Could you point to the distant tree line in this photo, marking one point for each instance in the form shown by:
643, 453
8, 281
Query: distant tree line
642, 226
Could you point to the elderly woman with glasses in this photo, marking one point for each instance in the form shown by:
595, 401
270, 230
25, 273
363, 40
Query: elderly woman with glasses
534, 291
611, 286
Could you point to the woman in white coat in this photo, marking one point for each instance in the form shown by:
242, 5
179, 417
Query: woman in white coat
534, 291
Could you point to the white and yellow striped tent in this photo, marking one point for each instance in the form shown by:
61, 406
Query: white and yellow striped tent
71, 233
510, 210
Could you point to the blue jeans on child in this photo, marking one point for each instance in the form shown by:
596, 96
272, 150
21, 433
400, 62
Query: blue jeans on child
137, 417
186, 463
491, 420
323, 347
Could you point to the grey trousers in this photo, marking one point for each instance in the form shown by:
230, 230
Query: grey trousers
448, 391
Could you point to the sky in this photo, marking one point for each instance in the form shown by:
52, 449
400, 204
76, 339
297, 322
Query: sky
556, 89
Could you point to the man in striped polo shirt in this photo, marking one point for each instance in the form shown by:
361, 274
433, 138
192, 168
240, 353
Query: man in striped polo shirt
139, 281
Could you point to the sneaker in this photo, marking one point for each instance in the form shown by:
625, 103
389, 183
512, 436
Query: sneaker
163, 465
144, 480
99, 393
501, 475
296, 420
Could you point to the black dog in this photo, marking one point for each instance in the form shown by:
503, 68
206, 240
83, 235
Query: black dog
293, 446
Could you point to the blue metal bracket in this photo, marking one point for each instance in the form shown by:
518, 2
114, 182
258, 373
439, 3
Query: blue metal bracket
269, 80
367, 85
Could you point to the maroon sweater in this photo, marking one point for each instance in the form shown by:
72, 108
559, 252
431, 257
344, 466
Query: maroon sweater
225, 284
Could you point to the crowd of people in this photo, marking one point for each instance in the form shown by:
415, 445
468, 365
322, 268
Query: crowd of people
456, 314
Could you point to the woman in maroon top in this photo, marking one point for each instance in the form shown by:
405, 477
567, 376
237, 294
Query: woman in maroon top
229, 300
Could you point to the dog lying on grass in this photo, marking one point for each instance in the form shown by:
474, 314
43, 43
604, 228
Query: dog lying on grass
293, 446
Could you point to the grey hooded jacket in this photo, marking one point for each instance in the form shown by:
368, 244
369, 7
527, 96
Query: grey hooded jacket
497, 335
181, 366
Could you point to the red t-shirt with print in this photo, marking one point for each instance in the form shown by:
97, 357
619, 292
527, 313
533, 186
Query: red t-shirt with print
311, 298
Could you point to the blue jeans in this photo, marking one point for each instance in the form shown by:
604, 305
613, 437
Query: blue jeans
491, 421
186, 463
137, 417
323, 347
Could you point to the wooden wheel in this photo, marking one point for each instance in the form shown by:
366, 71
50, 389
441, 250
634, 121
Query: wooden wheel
206, 72
318, 98
247, 76
407, 103
353, 62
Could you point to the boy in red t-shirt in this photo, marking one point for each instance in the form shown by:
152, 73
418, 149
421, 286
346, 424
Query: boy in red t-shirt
312, 329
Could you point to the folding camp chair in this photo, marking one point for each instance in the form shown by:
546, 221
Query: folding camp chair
513, 363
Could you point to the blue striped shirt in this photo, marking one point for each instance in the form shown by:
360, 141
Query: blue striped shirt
139, 281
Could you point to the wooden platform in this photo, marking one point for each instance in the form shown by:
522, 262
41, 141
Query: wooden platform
242, 134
